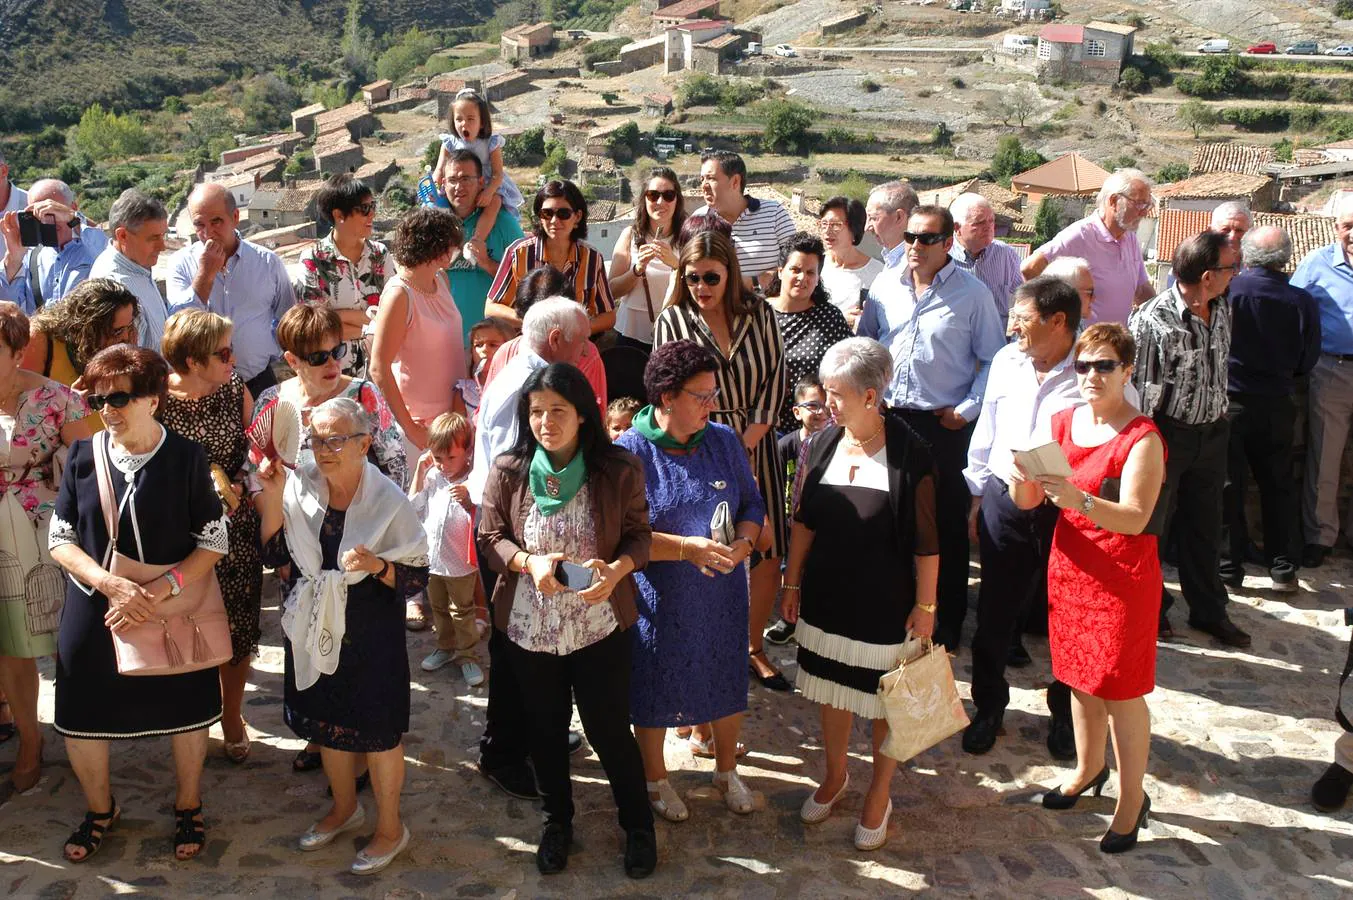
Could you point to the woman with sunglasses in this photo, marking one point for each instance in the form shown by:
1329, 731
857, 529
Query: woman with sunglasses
66, 334
346, 269
565, 523
170, 515
207, 402
690, 644
355, 549
39, 420
560, 213
719, 312
645, 255
418, 348
1104, 579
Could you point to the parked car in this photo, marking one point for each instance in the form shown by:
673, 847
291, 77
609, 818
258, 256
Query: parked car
1303, 48
1262, 47
1341, 50
1215, 45
753, 48
784, 50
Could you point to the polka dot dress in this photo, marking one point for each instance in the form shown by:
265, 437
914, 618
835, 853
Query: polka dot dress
806, 336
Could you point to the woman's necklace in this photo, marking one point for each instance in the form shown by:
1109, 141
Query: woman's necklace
861, 444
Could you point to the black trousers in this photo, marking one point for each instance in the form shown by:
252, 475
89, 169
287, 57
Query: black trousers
949, 449
1263, 429
1195, 478
504, 744
261, 382
598, 678
1014, 545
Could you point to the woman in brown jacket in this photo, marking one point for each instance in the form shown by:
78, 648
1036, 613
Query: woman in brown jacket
565, 520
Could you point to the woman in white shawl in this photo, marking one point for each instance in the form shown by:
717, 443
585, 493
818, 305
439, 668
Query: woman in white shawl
357, 552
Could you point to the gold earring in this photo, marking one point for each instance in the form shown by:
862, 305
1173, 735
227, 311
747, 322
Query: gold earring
667, 409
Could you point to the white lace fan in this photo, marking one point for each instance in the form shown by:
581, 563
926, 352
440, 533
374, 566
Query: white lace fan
276, 432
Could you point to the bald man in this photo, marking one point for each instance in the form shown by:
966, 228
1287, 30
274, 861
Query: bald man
35, 276
995, 263
228, 275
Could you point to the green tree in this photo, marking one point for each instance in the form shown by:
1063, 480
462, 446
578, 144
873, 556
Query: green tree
524, 148
698, 89
1133, 80
624, 142
267, 102
1172, 172
359, 42
408, 53
430, 153
1196, 115
1011, 158
1282, 151
1047, 222
556, 155
102, 134
787, 127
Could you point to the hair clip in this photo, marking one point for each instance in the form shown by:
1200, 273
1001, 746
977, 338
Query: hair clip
467, 92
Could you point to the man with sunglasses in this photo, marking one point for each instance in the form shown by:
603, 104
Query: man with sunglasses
471, 273
1183, 340
138, 224
941, 326
1107, 238
223, 273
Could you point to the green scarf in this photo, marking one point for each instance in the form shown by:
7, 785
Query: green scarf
645, 423
553, 490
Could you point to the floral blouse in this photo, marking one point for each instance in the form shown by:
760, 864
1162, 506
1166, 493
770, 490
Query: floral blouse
30, 441
331, 279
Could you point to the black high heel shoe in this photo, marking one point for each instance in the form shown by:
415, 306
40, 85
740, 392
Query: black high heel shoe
1113, 842
1055, 799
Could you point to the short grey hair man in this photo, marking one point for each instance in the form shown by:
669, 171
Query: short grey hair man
137, 224
133, 209
896, 195
886, 214
862, 363
1232, 219
55, 186
1266, 247
553, 323
966, 203
1119, 184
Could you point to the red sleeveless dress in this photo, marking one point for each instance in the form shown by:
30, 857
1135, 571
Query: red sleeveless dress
1104, 588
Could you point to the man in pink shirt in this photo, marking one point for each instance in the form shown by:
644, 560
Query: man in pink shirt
1107, 239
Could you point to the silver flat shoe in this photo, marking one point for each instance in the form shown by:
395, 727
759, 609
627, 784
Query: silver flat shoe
313, 839
365, 864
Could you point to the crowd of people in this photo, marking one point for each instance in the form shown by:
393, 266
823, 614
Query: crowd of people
617, 474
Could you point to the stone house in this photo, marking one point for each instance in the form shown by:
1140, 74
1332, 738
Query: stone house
1094, 52
377, 91
283, 207
679, 52
1208, 191
303, 119
336, 153
526, 42
675, 13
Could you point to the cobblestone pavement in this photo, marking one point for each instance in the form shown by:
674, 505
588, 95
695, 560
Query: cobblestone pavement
1238, 740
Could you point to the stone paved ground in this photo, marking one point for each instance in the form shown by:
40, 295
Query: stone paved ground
1238, 740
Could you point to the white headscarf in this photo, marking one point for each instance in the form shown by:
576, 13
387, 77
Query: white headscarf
381, 517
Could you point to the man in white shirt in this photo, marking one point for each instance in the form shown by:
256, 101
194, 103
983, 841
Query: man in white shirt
138, 224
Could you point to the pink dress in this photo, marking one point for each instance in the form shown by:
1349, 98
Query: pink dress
432, 358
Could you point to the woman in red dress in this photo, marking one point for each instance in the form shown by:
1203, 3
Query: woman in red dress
1104, 582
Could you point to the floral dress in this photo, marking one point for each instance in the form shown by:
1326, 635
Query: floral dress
31, 585
331, 279
387, 438
216, 421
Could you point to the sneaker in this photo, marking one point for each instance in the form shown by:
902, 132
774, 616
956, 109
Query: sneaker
437, 659
1283, 577
780, 633
474, 676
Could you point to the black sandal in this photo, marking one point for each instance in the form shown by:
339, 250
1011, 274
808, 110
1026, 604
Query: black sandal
89, 836
307, 761
188, 831
775, 682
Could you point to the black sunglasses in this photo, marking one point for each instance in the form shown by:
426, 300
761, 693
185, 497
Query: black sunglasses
926, 238
563, 215
1102, 366
709, 278
366, 208
117, 400
320, 357
654, 196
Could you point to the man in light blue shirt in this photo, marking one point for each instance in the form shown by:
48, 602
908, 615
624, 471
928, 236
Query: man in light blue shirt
941, 326
58, 269
138, 224
886, 214
227, 275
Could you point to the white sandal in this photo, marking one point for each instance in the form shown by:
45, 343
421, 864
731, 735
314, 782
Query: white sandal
736, 795
813, 812
668, 803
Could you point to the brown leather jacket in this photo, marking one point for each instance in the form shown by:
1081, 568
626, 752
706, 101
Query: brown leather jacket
619, 514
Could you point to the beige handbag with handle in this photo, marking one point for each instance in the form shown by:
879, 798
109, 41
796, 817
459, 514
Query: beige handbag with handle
920, 700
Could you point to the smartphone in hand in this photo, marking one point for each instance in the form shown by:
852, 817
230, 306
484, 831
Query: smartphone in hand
35, 233
573, 576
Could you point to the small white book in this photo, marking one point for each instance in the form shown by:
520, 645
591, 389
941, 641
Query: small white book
1044, 460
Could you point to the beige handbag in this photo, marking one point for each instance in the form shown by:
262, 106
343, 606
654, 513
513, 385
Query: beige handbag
920, 700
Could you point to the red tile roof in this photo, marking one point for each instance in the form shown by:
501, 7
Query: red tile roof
685, 9
1177, 226
1214, 186
1240, 158
1063, 34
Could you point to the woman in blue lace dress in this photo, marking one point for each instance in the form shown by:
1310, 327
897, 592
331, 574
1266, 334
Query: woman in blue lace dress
690, 647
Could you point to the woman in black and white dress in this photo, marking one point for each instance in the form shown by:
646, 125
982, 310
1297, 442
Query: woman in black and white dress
864, 515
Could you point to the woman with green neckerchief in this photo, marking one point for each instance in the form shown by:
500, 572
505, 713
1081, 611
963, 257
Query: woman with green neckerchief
565, 494
690, 644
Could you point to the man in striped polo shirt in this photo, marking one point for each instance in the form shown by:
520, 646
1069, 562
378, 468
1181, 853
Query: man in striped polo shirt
762, 229
976, 249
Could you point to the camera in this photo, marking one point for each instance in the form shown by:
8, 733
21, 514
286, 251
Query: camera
36, 233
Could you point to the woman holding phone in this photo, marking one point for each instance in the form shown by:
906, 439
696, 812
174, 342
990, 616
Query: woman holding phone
565, 494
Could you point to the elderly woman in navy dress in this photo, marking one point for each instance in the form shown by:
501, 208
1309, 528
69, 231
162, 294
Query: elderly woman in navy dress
690, 648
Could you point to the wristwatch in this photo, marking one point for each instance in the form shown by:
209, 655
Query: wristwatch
1087, 504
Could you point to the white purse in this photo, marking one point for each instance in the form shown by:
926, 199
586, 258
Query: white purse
721, 524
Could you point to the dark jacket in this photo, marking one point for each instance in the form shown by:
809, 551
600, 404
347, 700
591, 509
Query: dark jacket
619, 513
1275, 333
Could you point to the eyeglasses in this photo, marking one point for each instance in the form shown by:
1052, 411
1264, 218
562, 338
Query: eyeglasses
709, 278
128, 332
320, 357
925, 238
704, 399
563, 215
668, 196
333, 443
117, 400
462, 179
811, 406
826, 225
1234, 267
225, 354
1101, 366
365, 209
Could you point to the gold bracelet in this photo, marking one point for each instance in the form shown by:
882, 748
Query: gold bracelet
681, 555
927, 607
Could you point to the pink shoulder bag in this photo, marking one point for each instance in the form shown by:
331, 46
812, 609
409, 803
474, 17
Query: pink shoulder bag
195, 621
